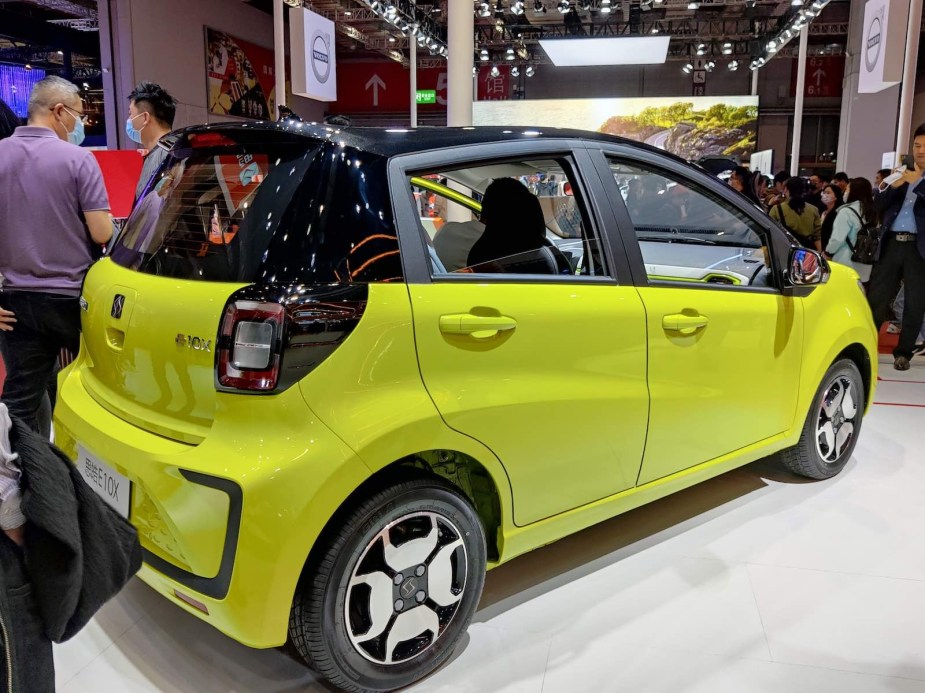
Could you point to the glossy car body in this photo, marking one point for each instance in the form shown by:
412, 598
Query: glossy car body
590, 406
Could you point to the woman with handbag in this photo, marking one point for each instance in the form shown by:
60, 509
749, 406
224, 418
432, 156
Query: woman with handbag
797, 216
858, 212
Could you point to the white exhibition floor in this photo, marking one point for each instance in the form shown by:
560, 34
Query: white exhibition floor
755, 581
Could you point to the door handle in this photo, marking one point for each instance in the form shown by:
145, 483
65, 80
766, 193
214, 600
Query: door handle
478, 326
683, 323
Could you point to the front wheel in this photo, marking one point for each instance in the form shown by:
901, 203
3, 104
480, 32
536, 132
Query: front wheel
395, 589
832, 425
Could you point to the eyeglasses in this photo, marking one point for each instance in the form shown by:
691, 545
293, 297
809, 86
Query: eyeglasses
82, 117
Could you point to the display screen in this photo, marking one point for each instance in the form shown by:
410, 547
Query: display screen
16, 85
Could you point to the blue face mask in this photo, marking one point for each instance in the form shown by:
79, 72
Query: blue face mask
77, 135
131, 131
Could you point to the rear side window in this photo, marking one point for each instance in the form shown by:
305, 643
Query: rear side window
291, 211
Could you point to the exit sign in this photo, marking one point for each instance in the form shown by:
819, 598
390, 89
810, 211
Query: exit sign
426, 96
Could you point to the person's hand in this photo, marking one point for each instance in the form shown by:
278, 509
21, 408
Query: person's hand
910, 176
17, 534
7, 318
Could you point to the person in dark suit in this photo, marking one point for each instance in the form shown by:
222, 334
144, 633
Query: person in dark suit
902, 253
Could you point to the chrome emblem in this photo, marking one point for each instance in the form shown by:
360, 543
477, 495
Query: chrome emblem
118, 303
194, 343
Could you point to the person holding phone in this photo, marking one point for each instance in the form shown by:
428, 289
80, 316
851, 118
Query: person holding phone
902, 252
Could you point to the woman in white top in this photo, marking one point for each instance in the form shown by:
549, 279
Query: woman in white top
859, 199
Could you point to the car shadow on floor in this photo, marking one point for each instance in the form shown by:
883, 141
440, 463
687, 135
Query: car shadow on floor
573, 557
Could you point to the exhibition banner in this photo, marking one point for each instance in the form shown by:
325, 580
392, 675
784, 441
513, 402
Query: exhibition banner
691, 127
883, 45
241, 77
311, 47
824, 77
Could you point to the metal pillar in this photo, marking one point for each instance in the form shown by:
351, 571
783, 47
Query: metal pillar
413, 66
798, 107
279, 54
907, 95
461, 44
755, 82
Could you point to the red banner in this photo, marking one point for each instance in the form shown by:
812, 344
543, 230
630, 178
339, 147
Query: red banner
494, 88
824, 77
121, 171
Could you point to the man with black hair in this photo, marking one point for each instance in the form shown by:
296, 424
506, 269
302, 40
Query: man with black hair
902, 255
151, 111
882, 174
778, 192
841, 179
817, 184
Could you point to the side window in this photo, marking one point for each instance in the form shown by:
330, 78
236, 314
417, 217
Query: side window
687, 234
514, 217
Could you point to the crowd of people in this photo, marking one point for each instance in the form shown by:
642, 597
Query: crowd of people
827, 215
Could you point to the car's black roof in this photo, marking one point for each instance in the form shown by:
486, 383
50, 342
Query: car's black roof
398, 140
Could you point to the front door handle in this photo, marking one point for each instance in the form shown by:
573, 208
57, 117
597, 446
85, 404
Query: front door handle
478, 326
683, 323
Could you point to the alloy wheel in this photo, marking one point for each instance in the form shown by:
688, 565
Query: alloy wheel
837, 420
406, 588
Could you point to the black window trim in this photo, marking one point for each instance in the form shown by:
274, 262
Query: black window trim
415, 257
626, 229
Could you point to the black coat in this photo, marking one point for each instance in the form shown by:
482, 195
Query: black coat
890, 202
78, 554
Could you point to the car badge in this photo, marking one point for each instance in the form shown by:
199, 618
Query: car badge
118, 303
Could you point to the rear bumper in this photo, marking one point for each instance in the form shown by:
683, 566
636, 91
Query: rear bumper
228, 522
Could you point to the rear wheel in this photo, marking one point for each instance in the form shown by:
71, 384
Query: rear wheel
832, 426
395, 589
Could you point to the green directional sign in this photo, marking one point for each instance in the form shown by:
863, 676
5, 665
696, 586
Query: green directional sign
426, 96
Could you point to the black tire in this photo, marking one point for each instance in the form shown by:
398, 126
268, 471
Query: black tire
815, 456
322, 630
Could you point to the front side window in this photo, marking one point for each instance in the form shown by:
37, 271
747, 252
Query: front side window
506, 218
688, 234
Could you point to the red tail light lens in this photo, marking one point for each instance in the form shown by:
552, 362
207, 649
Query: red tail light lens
249, 345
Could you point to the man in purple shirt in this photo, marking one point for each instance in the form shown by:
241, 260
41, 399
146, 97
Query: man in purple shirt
53, 210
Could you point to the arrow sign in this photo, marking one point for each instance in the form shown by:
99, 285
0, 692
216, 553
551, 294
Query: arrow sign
819, 74
375, 83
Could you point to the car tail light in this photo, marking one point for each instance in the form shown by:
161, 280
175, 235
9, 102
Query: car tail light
272, 336
249, 345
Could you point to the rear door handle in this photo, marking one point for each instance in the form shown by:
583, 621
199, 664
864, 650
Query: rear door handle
477, 326
685, 324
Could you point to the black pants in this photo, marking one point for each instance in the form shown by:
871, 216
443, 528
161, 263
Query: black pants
45, 324
899, 263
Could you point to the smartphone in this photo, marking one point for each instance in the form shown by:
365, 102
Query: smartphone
908, 161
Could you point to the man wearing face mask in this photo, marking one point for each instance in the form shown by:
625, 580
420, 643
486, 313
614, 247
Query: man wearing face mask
53, 209
151, 111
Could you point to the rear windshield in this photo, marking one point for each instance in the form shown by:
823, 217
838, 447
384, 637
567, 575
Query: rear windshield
283, 212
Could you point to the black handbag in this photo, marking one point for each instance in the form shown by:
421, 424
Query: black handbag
866, 246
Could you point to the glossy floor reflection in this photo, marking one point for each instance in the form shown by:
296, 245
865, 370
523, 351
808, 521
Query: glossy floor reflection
755, 581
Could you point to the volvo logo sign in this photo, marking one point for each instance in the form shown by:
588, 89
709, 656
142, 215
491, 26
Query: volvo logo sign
321, 56
874, 47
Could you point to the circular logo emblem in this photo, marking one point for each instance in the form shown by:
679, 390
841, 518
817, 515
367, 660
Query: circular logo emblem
874, 43
321, 56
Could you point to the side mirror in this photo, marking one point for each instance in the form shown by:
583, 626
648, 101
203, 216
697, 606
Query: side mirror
807, 267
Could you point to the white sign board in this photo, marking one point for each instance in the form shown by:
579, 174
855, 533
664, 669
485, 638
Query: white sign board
762, 161
311, 50
882, 54
889, 160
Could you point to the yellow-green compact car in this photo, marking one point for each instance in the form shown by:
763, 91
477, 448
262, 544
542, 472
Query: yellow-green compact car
332, 376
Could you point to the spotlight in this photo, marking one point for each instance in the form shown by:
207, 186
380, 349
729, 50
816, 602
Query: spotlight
517, 7
796, 3
688, 68
710, 66
701, 49
727, 49
693, 5
539, 7
391, 39
494, 71
531, 71
293, 3
515, 71
475, 71
586, 5
422, 40
565, 6
733, 65
509, 54
484, 10
655, 29
390, 11
483, 55
606, 9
